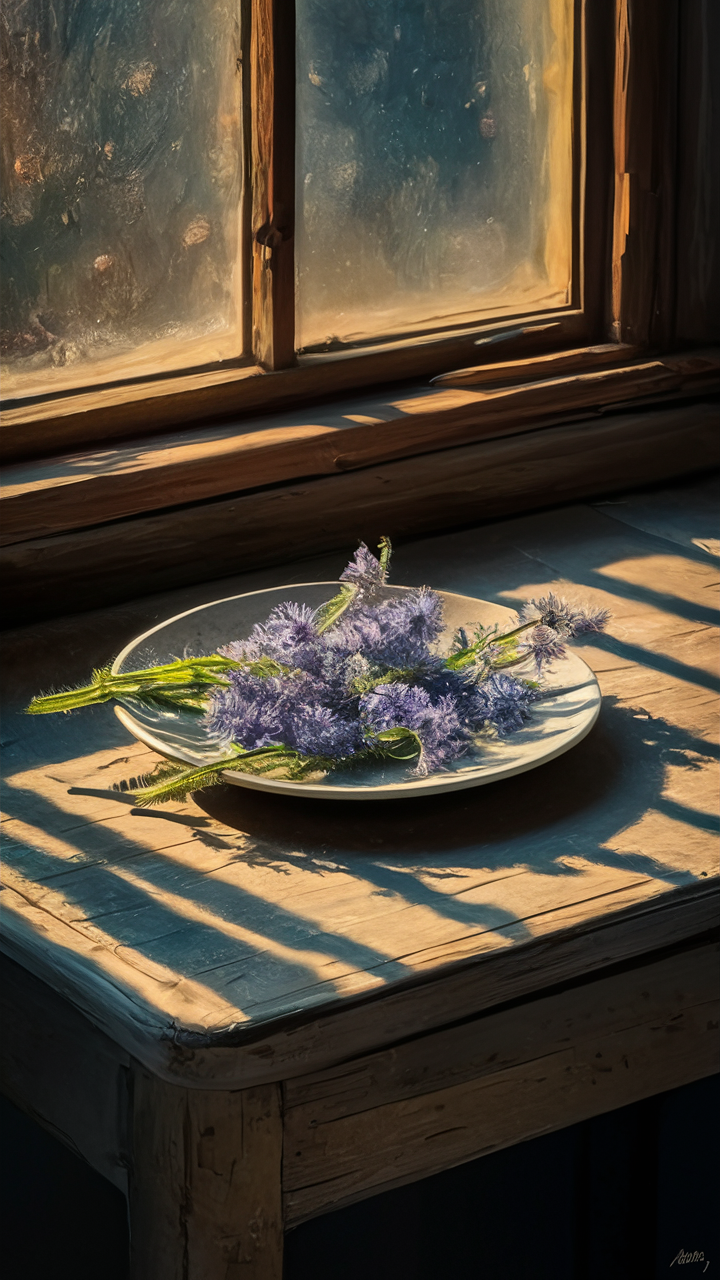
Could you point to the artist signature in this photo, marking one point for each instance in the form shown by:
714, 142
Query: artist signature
696, 1256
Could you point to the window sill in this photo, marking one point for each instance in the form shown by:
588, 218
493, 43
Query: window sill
82, 490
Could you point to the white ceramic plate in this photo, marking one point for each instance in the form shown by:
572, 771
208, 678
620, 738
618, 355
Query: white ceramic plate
562, 719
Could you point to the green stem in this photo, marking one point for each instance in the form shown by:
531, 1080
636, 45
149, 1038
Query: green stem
465, 657
182, 685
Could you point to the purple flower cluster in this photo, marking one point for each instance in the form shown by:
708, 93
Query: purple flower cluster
352, 686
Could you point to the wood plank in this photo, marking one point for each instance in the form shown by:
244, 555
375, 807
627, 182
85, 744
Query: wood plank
402, 498
542, 366
64, 1072
272, 174
645, 181
205, 1183
79, 490
669, 516
496, 1041
538, 1067
698, 174
47, 427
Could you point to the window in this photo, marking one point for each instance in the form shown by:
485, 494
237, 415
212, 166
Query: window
122, 183
434, 165
236, 186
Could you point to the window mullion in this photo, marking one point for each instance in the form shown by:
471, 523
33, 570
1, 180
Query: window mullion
272, 176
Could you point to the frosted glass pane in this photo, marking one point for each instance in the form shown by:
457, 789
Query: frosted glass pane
434, 163
121, 173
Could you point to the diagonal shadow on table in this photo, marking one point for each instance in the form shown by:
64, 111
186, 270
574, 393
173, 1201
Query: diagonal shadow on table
572, 805
426, 852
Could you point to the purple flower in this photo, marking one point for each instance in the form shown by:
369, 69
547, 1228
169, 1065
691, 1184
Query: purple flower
589, 622
364, 570
544, 645
289, 636
408, 625
396, 633
501, 702
566, 619
553, 611
437, 724
289, 711
356, 631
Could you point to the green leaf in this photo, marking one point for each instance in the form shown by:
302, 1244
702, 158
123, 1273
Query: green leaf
400, 735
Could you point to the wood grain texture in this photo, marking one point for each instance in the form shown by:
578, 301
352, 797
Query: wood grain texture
80, 490
65, 1073
543, 366
486, 1045
645, 171
205, 1183
272, 53
44, 428
249, 940
403, 498
467, 1091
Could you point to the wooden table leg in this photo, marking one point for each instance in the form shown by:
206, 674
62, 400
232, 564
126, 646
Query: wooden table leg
205, 1193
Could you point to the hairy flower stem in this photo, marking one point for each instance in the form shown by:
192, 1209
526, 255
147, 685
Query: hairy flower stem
176, 782
182, 685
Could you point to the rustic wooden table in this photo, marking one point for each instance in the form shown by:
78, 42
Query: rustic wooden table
247, 1011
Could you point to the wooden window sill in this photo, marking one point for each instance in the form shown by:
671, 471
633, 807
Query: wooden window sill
82, 490
40, 426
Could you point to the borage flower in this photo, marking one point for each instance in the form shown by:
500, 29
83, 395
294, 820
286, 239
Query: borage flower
501, 703
435, 724
568, 620
544, 645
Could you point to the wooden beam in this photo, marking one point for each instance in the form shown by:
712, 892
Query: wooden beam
77, 491
581, 359
273, 181
90, 568
645, 116
205, 1183
41, 428
431, 1104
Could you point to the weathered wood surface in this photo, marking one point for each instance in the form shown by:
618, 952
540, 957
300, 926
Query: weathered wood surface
205, 1198
646, 191
258, 923
542, 366
81, 490
54, 575
464, 1092
272, 176
698, 174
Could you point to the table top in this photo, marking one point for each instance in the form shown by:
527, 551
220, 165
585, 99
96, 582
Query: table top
211, 931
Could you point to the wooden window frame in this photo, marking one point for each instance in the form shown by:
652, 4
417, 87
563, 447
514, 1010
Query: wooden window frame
213, 470
274, 376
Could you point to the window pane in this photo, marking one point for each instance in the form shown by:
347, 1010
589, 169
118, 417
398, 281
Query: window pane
121, 171
434, 163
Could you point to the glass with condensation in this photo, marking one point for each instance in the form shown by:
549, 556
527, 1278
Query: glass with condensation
122, 180
434, 164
